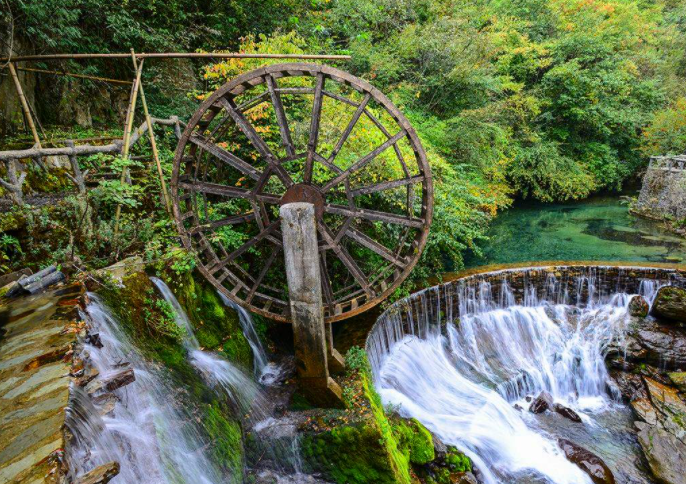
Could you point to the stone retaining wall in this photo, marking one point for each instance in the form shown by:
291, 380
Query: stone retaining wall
427, 311
663, 193
36, 350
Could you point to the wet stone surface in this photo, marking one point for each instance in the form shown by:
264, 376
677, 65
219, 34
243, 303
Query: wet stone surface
35, 362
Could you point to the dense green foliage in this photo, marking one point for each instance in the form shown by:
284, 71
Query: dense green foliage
544, 99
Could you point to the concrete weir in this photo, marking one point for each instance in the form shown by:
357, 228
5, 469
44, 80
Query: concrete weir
36, 343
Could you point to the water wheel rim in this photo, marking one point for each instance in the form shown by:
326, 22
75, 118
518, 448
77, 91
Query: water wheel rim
244, 83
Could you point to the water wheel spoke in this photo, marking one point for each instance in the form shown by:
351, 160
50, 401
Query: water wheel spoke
227, 191
263, 272
374, 215
364, 161
260, 145
374, 246
314, 128
326, 283
280, 116
344, 137
345, 258
225, 156
320, 159
388, 185
232, 220
250, 243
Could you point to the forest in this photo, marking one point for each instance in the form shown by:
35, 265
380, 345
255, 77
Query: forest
549, 100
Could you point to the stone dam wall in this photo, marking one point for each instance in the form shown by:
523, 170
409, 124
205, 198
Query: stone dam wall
427, 311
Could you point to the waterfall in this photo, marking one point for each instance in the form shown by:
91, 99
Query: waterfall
260, 359
147, 431
462, 374
215, 370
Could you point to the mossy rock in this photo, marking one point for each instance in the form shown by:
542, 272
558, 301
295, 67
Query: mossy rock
416, 440
132, 304
217, 326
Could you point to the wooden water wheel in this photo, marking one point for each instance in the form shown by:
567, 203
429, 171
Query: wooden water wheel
302, 132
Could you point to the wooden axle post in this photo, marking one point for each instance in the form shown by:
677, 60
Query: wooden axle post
301, 254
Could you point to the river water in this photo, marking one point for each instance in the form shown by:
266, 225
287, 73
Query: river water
596, 229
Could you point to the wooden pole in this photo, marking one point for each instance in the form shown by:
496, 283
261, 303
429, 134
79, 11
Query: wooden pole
153, 143
174, 55
24, 104
131, 111
78, 76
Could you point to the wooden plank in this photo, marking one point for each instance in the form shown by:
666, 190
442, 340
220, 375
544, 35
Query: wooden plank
250, 243
379, 187
256, 141
227, 191
280, 117
345, 258
232, 220
344, 137
373, 245
263, 273
314, 128
226, 156
374, 215
364, 161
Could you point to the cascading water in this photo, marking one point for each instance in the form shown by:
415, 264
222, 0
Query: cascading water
217, 371
147, 431
260, 359
463, 380
276, 438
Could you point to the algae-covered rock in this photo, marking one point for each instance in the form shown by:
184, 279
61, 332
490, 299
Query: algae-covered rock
638, 306
679, 379
670, 304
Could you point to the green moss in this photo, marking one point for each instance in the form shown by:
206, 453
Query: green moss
217, 327
133, 304
414, 439
226, 439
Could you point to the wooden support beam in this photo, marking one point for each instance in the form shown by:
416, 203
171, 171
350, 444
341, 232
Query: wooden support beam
24, 104
77, 76
153, 143
131, 111
173, 55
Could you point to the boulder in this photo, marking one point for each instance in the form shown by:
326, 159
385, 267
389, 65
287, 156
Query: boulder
100, 475
543, 402
665, 453
639, 307
670, 304
466, 478
588, 462
567, 412
14, 276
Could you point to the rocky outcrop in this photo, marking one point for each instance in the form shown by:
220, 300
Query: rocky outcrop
670, 304
648, 341
588, 462
567, 412
543, 402
662, 430
638, 306
100, 475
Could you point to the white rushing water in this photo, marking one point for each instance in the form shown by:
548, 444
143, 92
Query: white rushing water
463, 381
216, 371
147, 431
248, 326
